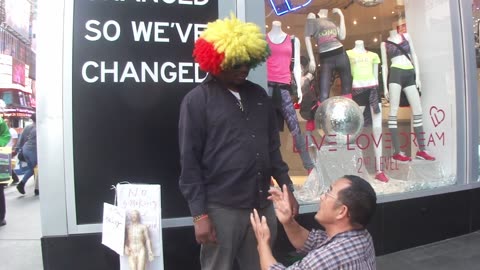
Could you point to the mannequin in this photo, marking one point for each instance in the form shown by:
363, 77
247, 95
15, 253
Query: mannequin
331, 53
137, 245
364, 65
279, 80
403, 74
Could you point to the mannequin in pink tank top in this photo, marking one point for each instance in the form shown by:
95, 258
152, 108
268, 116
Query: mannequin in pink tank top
279, 84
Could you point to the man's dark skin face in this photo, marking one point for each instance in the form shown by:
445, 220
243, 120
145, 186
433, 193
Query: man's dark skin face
233, 78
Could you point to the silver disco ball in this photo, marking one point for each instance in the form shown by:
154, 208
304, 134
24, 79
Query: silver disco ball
369, 3
340, 119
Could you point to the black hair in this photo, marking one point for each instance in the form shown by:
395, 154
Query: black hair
360, 198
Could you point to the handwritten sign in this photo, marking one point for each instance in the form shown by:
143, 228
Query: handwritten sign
113, 229
146, 200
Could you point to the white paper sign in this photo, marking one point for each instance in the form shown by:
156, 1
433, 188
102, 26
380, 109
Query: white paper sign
146, 200
113, 229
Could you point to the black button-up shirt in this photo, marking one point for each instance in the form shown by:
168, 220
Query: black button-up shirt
228, 152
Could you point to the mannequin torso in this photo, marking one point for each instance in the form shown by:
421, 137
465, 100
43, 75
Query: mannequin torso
359, 47
326, 33
398, 59
276, 35
280, 44
364, 65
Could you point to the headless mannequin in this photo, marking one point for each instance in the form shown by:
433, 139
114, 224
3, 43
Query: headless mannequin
400, 64
323, 14
278, 64
363, 87
331, 54
277, 36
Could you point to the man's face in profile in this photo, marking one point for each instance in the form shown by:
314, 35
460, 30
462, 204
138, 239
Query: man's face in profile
330, 202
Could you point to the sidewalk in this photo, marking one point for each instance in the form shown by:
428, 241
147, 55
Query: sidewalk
20, 242
459, 253
20, 239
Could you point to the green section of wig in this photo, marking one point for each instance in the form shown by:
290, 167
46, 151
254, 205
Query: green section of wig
240, 42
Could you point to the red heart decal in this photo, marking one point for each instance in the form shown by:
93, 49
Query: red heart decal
437, 115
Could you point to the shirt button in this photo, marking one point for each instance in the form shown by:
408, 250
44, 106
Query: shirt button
258, 154
253, 135
248, 118
259, 173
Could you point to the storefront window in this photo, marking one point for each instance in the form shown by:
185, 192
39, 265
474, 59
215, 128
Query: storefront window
476, 26
7, 97
404, 91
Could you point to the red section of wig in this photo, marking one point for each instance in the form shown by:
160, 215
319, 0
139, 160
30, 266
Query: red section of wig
207, 57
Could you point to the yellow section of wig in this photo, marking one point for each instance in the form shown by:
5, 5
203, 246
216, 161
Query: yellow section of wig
240, 42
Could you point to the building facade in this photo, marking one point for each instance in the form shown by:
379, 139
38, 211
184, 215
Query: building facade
115, 72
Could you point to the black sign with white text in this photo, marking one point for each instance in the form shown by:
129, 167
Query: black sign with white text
132, 65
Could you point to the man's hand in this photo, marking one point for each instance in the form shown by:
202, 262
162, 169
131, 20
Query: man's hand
293, 203
260, 227
205, 231
285, 204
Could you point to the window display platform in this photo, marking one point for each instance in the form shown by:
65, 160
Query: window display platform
333, 162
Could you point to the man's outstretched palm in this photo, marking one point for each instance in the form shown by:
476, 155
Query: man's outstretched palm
282, 204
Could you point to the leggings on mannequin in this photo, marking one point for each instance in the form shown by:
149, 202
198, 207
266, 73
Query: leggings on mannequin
330, 62
416, 106
290, 116
377, 131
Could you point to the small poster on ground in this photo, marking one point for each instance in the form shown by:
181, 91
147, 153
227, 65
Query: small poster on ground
143, 231
113, 228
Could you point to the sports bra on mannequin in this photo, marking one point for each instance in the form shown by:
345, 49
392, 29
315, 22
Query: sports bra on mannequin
400, 40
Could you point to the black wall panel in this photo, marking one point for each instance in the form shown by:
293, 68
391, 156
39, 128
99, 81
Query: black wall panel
125, 119
425, 220
475, 209
396, 226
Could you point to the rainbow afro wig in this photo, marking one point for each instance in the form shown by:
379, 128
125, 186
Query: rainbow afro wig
229, 42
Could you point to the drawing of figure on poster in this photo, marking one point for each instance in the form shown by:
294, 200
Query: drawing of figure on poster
143, 238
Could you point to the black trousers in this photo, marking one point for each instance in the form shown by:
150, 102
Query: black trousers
338, 61
2, 202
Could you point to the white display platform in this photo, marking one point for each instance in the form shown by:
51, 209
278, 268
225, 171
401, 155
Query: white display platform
333, 162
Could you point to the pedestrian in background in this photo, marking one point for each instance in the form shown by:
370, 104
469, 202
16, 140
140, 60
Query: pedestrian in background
12, 143
27, 144
4, 139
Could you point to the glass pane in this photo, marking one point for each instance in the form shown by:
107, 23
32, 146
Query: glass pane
7, 97
476, 26
404, 93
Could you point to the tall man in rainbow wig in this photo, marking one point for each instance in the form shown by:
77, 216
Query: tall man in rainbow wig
229, 146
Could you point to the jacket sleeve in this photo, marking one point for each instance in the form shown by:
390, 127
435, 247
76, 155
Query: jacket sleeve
4, 134
192, 133
23, 137
279, 167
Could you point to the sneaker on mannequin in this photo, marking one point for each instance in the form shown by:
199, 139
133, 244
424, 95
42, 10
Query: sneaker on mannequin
424, 155
401, 157
382, 177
